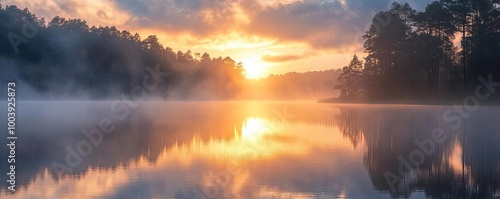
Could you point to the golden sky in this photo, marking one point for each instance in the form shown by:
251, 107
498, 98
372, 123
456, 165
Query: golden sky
268, 36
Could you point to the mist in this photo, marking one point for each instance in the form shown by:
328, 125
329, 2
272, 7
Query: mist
66, 59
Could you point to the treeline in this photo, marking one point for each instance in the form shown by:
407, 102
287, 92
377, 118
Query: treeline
66, 57
413, 56
293, 86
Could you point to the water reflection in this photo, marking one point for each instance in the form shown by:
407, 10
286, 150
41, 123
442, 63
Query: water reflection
256, 150
466, 165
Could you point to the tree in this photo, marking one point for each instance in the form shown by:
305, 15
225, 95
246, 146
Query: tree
349, 81
69, 58
432, 43
484, 39
404, 11
437, 20
385, 43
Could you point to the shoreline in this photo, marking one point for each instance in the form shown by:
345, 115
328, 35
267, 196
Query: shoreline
401, 102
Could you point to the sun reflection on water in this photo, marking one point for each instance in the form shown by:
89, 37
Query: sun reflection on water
258, 138
254, 128
259, 144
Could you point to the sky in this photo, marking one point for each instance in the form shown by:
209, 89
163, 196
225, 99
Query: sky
268, 36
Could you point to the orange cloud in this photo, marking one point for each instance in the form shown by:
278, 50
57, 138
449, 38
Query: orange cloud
270, 29
284, 57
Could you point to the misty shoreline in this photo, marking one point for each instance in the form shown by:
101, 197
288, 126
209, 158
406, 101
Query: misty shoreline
405, 102
340, 102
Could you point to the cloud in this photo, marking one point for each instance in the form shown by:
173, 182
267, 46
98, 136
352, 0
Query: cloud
199, 18
284, 57
319, 24
336, 24
329, 24
96, 12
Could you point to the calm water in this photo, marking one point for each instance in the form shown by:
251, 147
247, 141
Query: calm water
253, 150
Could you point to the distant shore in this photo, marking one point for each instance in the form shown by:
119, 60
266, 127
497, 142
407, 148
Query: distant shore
403, 102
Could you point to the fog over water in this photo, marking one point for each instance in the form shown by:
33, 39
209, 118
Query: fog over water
102, 112
252, 149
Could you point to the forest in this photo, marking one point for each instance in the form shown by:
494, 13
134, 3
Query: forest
68, 59
441, 53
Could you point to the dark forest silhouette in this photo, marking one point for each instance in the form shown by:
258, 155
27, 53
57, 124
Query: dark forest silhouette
68, 58
412, 56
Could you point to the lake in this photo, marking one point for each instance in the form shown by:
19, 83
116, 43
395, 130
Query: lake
253, 149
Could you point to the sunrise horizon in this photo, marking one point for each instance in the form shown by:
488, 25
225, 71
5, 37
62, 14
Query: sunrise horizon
233, 30
230, 99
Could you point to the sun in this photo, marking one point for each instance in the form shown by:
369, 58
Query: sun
254, 128
254, 68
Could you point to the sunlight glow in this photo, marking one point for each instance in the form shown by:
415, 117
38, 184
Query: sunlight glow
225, 155
455, 158
254, 68
253, 129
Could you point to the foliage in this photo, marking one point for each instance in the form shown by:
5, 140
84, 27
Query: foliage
67, 57
411, 55
349, 81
